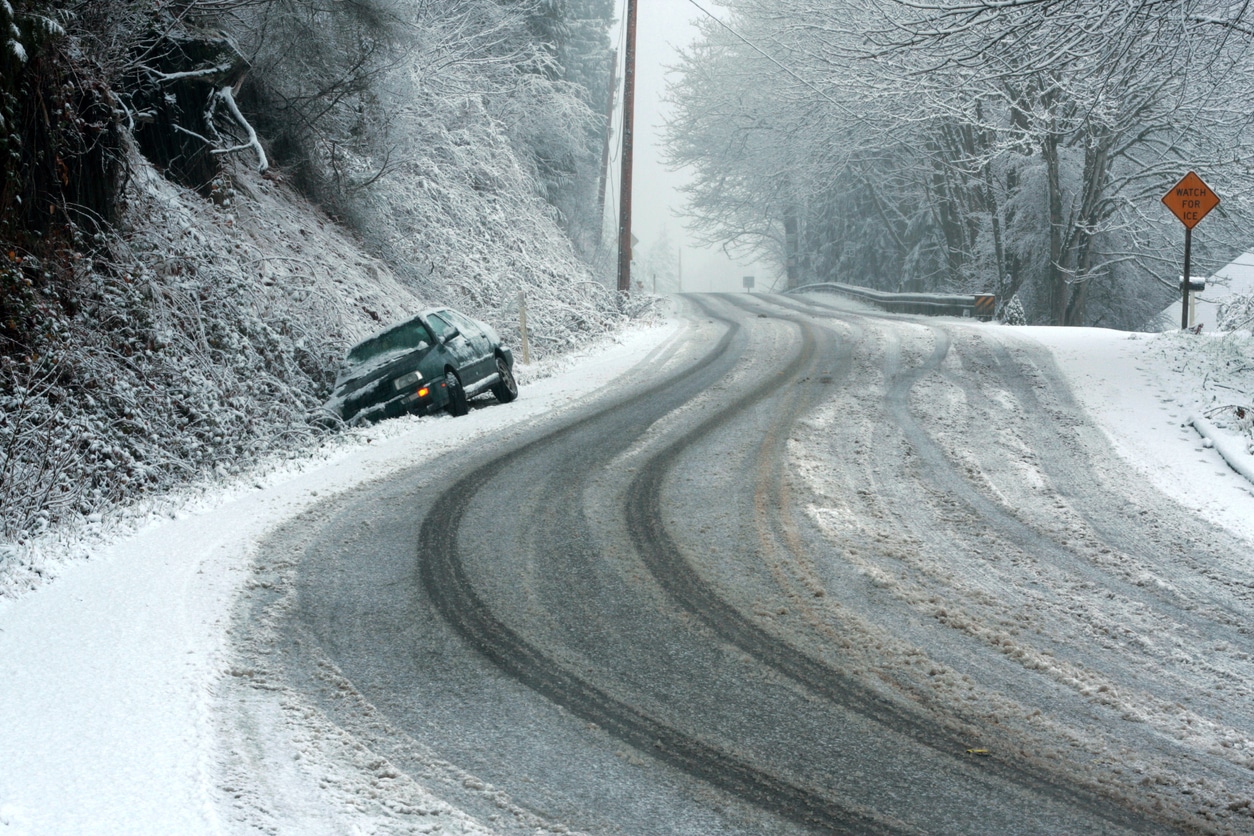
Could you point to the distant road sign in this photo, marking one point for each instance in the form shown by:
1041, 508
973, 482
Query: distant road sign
748, 282
1190, 200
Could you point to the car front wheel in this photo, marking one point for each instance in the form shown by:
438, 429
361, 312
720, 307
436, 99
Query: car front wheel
507, 388
457, 404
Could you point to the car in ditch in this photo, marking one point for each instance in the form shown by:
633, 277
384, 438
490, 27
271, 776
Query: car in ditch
437, 360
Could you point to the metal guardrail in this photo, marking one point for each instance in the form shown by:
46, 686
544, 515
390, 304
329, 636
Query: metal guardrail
981, 306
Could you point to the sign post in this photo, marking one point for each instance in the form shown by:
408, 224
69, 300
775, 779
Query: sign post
748, 282
1190, 200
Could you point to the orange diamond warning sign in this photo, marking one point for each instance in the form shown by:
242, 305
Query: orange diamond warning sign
1190, 200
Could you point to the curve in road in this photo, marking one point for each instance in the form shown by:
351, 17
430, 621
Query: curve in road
448, 583
657, 568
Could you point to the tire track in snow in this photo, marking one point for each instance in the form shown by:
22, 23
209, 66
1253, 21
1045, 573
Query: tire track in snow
947, 477
683, 581
1197, 602
449, 587
1141, 681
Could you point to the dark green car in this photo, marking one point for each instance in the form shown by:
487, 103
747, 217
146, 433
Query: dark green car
438, 360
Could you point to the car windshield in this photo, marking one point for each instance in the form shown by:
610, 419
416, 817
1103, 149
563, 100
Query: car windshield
464, 323
410, 336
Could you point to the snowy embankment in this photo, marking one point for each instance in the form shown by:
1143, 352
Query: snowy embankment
1171, 404
108, 675
207, 333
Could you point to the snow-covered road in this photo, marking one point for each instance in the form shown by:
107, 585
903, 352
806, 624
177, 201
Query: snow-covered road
115, 678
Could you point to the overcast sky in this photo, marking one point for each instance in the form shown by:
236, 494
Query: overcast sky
663, 27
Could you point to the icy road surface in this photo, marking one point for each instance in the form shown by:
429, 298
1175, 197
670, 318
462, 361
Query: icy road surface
809, 569
786, 565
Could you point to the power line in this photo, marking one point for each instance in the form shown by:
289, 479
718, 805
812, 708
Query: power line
770, 58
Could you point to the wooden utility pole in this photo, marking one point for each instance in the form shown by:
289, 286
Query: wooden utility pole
612, 100
629, 104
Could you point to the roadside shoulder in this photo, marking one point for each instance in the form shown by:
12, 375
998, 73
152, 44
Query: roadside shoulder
1141, 393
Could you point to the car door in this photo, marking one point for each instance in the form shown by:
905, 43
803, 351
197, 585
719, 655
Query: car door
481, 345
459, 352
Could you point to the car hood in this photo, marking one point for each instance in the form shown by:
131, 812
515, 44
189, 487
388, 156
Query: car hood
360, 381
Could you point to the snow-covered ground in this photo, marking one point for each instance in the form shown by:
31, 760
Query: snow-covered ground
108, 673
1152, 394
1229, 284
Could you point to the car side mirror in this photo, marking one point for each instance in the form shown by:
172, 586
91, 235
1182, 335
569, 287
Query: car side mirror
452, 333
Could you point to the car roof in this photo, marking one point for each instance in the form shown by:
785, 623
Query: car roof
422, 314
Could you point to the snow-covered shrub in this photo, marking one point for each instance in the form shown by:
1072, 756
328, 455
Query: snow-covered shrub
448, 150
1012, 313
465, 223
1236, 313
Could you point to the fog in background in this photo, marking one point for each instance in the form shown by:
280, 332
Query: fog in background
662, 28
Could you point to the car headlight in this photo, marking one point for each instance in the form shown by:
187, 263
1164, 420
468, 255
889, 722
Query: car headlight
406, 381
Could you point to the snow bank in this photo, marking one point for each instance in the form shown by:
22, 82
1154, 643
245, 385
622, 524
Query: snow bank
1144, 389
1232, 451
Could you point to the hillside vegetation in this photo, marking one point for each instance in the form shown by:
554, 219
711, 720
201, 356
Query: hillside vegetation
203, 203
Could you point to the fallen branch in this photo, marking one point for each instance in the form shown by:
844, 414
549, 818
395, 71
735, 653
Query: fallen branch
192, 134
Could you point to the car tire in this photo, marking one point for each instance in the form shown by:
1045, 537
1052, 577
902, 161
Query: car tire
457, 402
507, 389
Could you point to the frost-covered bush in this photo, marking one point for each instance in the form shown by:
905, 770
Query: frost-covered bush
1013, 313
451, 146
1236, 313
463, 220
203, 334
354, 103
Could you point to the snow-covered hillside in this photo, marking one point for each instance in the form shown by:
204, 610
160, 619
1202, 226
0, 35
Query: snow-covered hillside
203, 204
207, 333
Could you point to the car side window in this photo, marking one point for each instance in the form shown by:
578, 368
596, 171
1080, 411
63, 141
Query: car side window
439, 326
463, 322
419, 337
